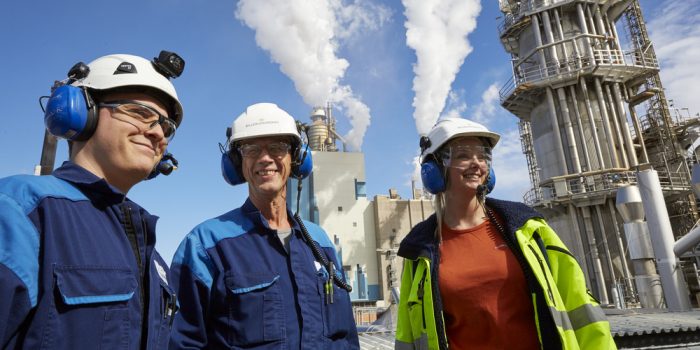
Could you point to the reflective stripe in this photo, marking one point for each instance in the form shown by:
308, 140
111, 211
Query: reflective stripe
419, 344
561, 319
585, 315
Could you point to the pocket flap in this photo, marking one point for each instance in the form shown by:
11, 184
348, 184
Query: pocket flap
89, 285
244, 283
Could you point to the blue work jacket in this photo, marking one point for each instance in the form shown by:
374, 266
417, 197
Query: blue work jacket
238, 288
78, 266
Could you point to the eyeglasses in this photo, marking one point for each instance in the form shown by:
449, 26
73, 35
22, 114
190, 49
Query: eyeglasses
139, 112
274, 149
460, 155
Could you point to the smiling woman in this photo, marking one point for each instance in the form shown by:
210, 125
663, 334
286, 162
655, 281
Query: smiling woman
480, 267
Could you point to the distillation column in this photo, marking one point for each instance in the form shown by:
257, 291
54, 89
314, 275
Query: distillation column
569, 86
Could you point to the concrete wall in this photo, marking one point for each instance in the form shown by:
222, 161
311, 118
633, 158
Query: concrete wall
347, 216
394, 218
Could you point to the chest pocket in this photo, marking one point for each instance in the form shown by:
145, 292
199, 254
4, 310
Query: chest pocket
92, 306
255, 309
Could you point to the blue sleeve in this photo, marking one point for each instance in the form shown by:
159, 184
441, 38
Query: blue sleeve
19, 267
192, 277
14, 304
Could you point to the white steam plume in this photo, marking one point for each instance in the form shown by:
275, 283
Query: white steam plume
437, 30
301, 36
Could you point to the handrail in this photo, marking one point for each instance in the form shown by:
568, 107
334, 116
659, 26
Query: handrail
573, 65
597, 182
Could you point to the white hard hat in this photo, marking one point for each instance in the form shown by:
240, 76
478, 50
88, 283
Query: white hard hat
263, 119
450, 128
121, 71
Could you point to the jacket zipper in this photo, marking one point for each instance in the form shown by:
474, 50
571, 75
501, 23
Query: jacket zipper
133, 240
549, 287
420, 296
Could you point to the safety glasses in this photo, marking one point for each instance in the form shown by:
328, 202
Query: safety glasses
462, 155
137, 112
274, 149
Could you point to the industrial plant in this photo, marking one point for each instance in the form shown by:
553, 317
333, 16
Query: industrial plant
610, 160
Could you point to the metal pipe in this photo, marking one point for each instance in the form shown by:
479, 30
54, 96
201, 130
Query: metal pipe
561, 159
579, 124
595, 257
538, 40
661, 234
578, 240
584, 29
620, 247
591, 26
624, 126
571, 140
604, 239
549, 35
560, 32
640, 135
616, 126
606, 123
613, 29
592, 127
600, 25
687, 242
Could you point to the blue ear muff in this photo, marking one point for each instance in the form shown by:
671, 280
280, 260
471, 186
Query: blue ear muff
432, 176
71, 113
304, 164
490, 181
434, 180
228, 170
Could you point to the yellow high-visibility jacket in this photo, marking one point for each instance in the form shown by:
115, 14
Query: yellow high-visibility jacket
566, 314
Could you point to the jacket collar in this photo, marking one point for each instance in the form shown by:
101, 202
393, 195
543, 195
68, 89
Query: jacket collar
421, 240
91, 185
253, 213
514, 214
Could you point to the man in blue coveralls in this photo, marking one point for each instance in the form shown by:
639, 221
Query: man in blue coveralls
78, 268
258, 277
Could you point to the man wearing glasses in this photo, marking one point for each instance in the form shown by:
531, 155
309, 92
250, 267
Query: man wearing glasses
78, 268
259, 277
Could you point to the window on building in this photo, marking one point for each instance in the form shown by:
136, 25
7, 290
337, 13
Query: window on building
340, 208
360, 190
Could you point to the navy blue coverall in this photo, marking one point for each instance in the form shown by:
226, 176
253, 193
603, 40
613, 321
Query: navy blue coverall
240, 289
78, 268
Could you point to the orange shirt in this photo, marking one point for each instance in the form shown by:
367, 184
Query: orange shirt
486, 303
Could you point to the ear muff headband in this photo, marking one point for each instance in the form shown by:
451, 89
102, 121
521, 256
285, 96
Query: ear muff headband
71, 113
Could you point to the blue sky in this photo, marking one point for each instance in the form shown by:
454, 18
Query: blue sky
227, 70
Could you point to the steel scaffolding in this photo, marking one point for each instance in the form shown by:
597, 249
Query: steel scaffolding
576, 89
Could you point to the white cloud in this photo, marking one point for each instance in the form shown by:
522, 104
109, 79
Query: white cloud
490, 103
455, 106
676, 37
358, 17
510, 166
